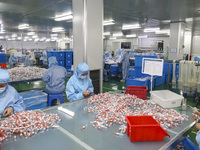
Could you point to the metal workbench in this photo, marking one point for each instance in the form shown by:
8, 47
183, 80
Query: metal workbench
67, 135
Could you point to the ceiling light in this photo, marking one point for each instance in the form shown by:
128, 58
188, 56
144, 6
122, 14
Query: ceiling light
165, 21
106, 33
53, 35
2, 32
30, 39
112, 38
53, 40
162, 32
31, 33
9, 39
57, 29
63, 17
23, 26
25, 40
13, 39
19, 38
134, 26
1, 37
131, 35
47, 40
118, 34
151, 29
143, 36
37, 39
14, 35
109, 22
34, 36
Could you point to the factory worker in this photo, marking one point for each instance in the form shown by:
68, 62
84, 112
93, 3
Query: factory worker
108, 56
55, 77
125, 65
28, 60
131, 53
13, 61
10, 101
79, 85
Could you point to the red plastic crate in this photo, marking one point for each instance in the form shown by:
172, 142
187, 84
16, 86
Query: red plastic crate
139, 91
4, 65
144, 128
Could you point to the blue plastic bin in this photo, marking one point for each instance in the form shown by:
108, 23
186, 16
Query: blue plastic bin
34, 100
61, 62
159, 80
114, 73
114, 68
166, 68
68, 67
139, 58
131, 72
49, 54
166, 78
60, 55
68, 62
138, 72
2, 58
69, 54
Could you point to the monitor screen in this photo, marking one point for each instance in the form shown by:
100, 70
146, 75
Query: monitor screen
126, 45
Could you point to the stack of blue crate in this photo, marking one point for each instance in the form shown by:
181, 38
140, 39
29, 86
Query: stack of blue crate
60, 57
167, 72
2, 58
114, 70
69, 59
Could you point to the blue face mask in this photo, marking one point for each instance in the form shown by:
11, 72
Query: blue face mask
83, 77
2, 89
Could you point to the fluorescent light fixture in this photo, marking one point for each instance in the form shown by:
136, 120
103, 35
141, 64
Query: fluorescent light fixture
13, 39
14, 35
34, 36
162, 32
47, 40
118, 34
131, 35
41, 39
37, 39
143, 36
30, 39
31, 33
57, 29
25, 40
23, 26
53, 40
106, 33
53, 35
128, 27
151, 29
109, 22
1, 37
2, 32
112, 38
19, 38
26, 37
165, 21
9, 39
63, 17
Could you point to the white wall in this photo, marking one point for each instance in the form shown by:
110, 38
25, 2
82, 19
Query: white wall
187, 43
27, 45
195, 46
112, 45
152, 42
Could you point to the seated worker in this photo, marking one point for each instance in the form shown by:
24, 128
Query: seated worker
13, 61
79, 85
10, 101
55, 77
108, 56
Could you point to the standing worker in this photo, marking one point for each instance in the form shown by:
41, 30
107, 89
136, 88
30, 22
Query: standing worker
79, 85
108, 56
13, 61
55, 77
125, 65
10, 101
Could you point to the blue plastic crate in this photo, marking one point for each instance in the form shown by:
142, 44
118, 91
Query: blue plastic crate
138, 72
2, 58
49, 54
68, 67
34, 100
136, 82
131, 73
60, 55
61, 62
68, 62
166, 78
159, 80
114, 72
166, 68
139, 58
114, 68
69, 54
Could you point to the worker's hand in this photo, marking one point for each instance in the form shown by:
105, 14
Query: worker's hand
198, 126
87, 93
195, 117
8, 111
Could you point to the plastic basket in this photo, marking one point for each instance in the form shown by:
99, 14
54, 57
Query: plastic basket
166, 78
138, 59
159, 80
3, 65
114, 68
144, 128
138, 72
139, 91
61, 63
188, 144
68, 62
69, 54
166, 68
